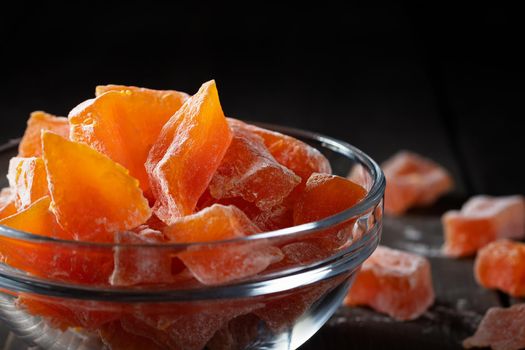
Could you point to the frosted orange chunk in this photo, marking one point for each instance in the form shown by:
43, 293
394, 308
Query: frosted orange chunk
56, 315
92, 195
281, 312
61, 313
52, 260
393, 282
249, 171
301, 253
274, 218
31, 143
36, 219
237, 334
481, 220
326, 195
124, 122
501, 265
185, 328
296, 155
413, 180
169, 97
225, 262
116, 338
28, 178
500, 329
7, 203
141, 265
189, 150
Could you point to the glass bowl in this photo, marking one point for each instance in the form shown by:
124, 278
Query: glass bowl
278, 308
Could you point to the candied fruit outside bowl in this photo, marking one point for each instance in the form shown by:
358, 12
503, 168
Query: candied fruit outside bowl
138, 294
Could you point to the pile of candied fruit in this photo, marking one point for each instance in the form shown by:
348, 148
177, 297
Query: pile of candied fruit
141, 166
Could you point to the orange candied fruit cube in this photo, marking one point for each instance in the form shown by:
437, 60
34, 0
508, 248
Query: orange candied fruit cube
28, 179
246, 171
63, 313
167, 97
501, 265
277, 217
52, 260
393, 282
93, 196
238, 333
187, 153
31, 143
187, 326
296, 155
123, 122
323, 196
141, 264
413, 180
481, 220
229, 261
117, 338
281, 312
500, 329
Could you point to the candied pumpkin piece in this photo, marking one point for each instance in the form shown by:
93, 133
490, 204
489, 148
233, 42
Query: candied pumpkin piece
301, 253
187, 153
229, 261
282, 311
28, 178
237, 334
31, 143
481, 220
394, 282
277, 217
249, 171
413, 180
295, 155
7, 203
326, 195
170, 97
185, 328
63, 314
117, 338
124, 122
52, 260
36, 219
92, 195
500, 329
501, 265
141, 265
56, 315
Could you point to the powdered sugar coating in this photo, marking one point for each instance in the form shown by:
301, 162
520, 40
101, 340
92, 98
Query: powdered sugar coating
500, 329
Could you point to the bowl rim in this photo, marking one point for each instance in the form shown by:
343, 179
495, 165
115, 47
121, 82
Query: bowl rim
371, 200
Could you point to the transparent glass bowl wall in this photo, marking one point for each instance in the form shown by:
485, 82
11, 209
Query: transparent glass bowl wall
280, 308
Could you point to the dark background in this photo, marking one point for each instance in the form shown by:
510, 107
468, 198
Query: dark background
442, 80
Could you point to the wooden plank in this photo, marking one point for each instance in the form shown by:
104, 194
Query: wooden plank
360, 328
